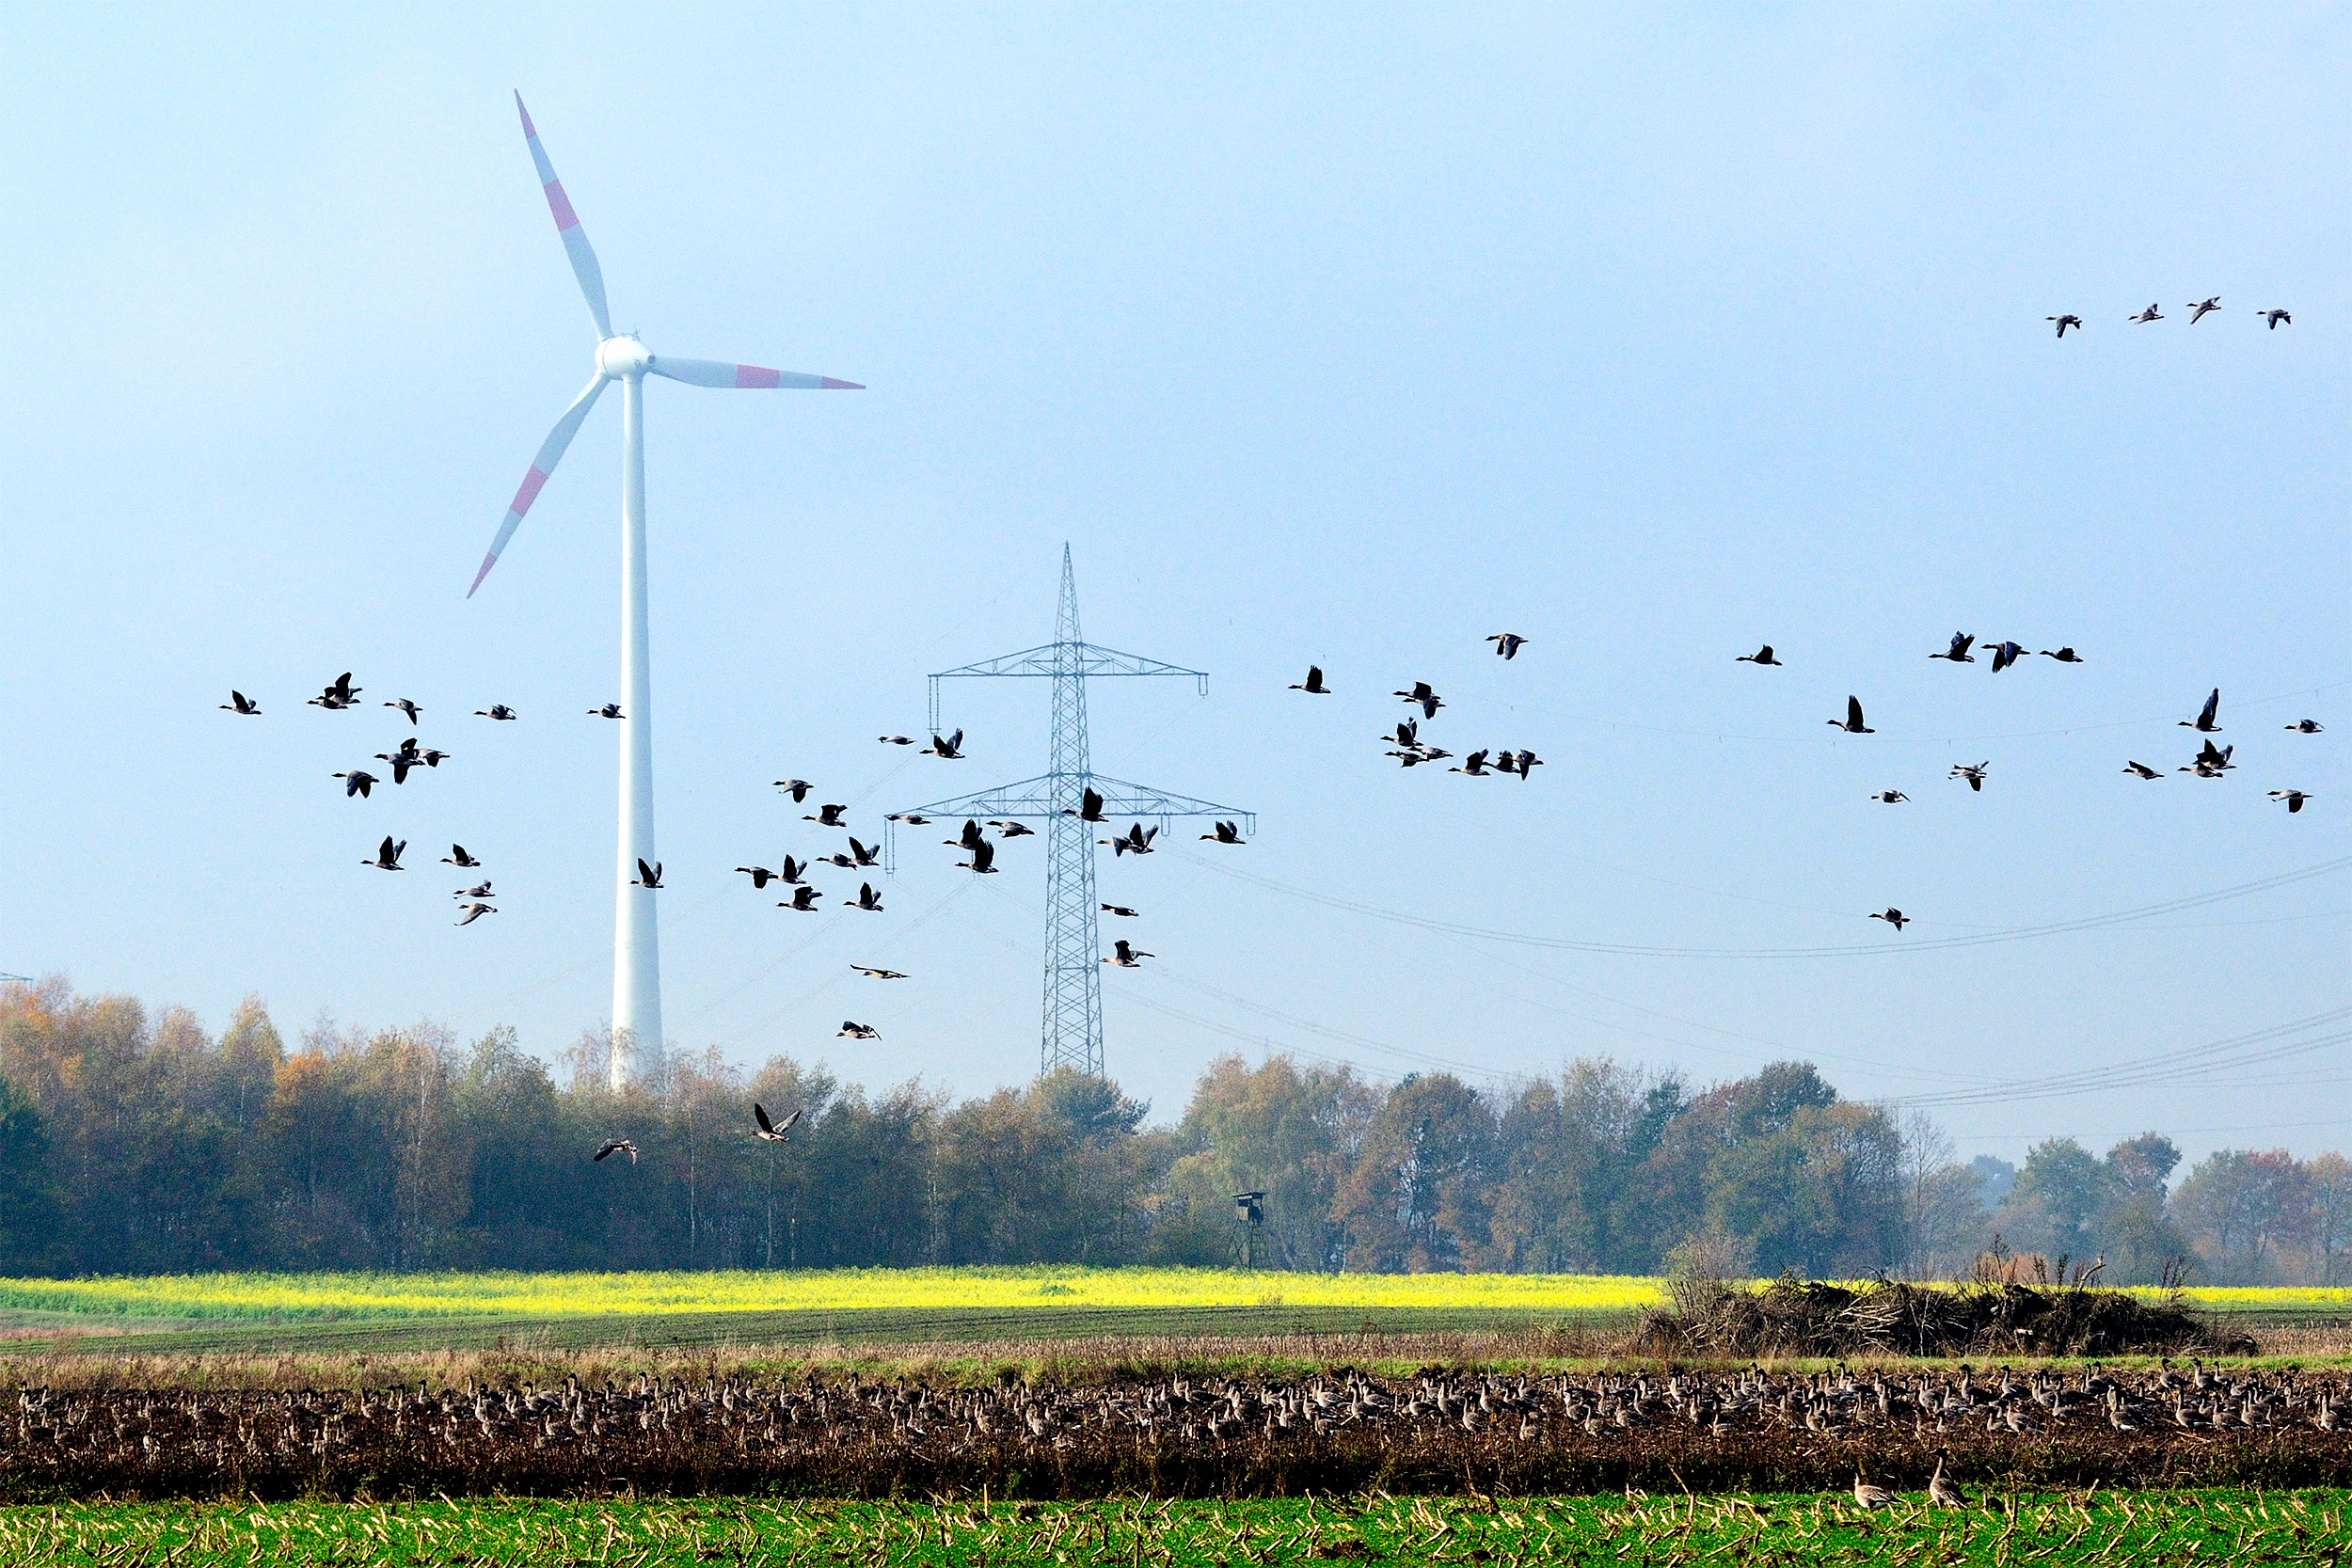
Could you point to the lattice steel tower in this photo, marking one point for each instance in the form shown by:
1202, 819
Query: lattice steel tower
1072, 1034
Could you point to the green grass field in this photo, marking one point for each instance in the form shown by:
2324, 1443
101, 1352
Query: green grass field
2141, 1528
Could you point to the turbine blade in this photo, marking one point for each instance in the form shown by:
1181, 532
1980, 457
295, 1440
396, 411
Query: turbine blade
750, 378
576, 244
550, 453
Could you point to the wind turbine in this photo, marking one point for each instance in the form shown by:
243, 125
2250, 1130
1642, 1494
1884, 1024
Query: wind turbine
636, 945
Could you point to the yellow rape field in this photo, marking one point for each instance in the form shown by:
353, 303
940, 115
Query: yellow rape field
266, 1297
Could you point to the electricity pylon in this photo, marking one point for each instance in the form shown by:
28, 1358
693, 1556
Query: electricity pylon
1072, 1034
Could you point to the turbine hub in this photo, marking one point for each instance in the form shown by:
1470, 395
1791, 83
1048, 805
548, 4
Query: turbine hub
623, 357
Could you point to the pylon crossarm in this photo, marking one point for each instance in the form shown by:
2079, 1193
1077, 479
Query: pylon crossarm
1035, 798
1070, 658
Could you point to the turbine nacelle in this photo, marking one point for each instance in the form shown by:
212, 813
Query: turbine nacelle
622, 358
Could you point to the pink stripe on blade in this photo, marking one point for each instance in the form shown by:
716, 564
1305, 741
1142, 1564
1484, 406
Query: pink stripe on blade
827, 384
527, 491
487, 561
753, 377
561, 205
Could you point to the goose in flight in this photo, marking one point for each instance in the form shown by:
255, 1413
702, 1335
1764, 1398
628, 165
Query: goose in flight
1973, 772
1119, 909
983, 860
497, 710
2305, 726
967, 839
1407, 734
789, 873
2275, 317
862, 855
1090, 807
1126, 956
1508, 643
858, 1031
474, 912
1852, 724
1012, 830
868, 899
1403, 759
2211, 763
1136, 841
896, 739
610, 710
2065, 321
803, 900
1890, 797
1506, 761
797, 788
2206, 717
1894, 917
2141, 770
772, 1131
239, 703
388, 854
827, 816
1762, 656
407, 709
480, 890
337, 696
617, 1146
1226, 833
840, 859
911, 819
1312, 685
1958, 653
649, 877
406, 757
2151, 314
357, 782
760, 874
2294, 798
2064, 655
2203, 308
1429, 701
1473, 766
950, 748
879, 974
458, 858
1525, 764
2005, 654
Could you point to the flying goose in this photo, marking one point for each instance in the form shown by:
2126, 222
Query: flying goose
983, 860
357, 782
769, 1130
1126, 956
1525, 764
474, 912
966, 839
2204, 307
1012, 830
1473, 766
1973, 772
1312, 685
840, 859
2064, 655
617, 1146
1958, 653
912, 819
2274, 317
827, 816
2065, 321
496, 710
1118, 909
951, 748
1894, 917
1508, 643
610, 710
797, 788
407, 709
1506, 761
1226, 833
760, 874
1762, 656
2005, 654
2211, 763
858, 1031
1137, 841
1430, 702
879, 974
480, 890
1890, 797
803, 900
2151, 314
402, 760
2141, 770
1852, 724
388, 854
1090, 807
2205, 718
458, 858
1403, 759
789, 873
868, 899
649, 877
862, 855
2305, 726
896, 739
2294, 798
339, 695
1407, 734
241, 704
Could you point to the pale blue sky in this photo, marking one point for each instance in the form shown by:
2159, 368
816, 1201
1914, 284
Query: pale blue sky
1345, 334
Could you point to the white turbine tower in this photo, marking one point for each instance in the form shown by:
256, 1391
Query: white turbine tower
636, 944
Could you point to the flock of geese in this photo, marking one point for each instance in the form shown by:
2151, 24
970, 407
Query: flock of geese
2199, 311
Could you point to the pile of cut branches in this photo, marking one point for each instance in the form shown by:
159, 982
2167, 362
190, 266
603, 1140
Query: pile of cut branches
1802, 1317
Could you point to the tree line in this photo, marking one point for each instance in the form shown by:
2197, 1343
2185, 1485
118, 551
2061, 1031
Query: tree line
132, 1142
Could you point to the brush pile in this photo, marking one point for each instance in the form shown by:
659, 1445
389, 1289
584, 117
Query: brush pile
1799, 1317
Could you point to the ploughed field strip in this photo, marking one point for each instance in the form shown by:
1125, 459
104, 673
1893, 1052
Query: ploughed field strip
1340, 1431
2169, 1528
